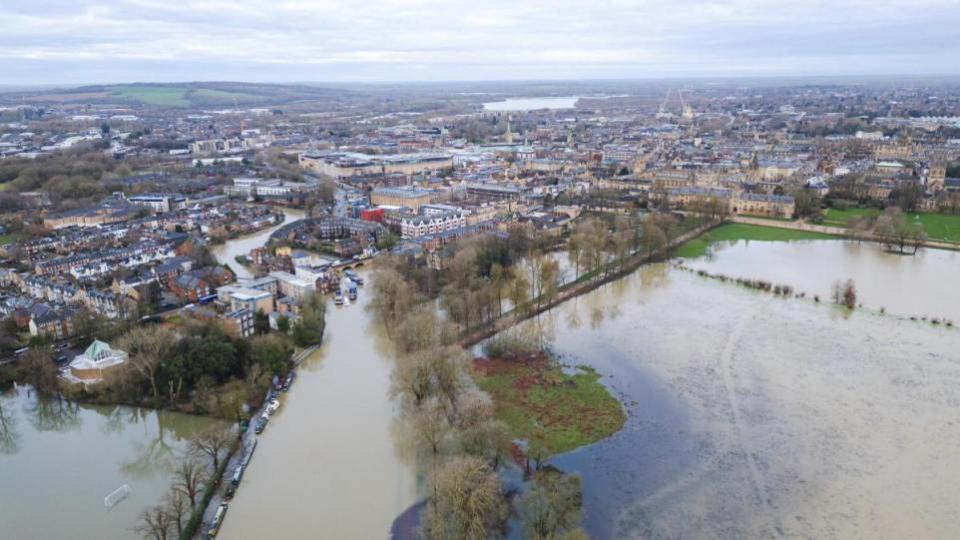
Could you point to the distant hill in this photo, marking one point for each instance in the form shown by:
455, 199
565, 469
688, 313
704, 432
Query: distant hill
177, 95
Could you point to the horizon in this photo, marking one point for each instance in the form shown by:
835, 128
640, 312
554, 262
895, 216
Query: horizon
84, 42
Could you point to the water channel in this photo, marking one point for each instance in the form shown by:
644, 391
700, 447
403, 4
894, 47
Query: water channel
756, 416
326, 466
227, 252
58, 460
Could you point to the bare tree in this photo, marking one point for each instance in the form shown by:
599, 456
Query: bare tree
147, 347
178, 509
39, 370
212, 443
189, 477
154, 524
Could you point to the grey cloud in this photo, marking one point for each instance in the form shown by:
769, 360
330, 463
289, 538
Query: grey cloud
80, 41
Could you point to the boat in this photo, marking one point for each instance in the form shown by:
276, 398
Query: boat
288, 381
338, 298
261, 424
352, 292
217, 520
237, 475
353, 276
273, 406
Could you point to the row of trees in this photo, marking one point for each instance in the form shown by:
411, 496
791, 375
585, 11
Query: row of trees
196, 472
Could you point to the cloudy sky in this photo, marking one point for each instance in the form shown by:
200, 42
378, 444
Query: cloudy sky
87, 41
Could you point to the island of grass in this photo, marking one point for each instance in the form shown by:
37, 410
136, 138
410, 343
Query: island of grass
743, 231
552, 410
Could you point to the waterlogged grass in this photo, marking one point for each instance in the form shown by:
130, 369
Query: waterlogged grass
550, 409
741, 231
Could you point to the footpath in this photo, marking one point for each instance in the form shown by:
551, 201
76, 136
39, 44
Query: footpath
577, 288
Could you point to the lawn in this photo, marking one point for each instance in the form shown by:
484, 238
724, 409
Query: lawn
548, 408
945, 227
842, 218
166, 96
742, 231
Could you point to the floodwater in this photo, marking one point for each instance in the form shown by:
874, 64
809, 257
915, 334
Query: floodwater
227, 252
532, 104
918, 285
58, 460
757, 416
326, 465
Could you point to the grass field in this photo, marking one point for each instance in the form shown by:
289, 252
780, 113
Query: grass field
165, 96
548, 408
741, 231
8, 239
842, 218
945, 227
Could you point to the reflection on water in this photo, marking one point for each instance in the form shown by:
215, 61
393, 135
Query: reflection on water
327, 465
58, 460
755, 416
920, 285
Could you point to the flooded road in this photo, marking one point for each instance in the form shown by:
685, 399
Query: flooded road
326, 466
227, 252
756, 416
58, 460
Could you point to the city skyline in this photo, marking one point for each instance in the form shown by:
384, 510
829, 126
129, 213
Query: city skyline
86, 42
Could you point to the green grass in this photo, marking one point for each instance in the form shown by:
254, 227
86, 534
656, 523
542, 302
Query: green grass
548, 408
8, 239
842, 218
944, 227
165, 96
732, 232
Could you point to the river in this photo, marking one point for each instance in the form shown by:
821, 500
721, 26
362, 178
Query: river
227, 252
532, 104
58, 460
326, 466
757, 416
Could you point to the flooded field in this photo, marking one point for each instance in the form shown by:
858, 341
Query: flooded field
326, 466
756, 416
920, 285
58, 460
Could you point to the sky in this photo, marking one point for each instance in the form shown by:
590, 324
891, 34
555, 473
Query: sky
88, 42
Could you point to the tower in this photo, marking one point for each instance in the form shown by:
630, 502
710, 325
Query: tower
508, 136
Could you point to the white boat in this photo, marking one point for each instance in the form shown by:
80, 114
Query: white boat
273, 406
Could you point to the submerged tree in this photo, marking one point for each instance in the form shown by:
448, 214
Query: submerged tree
550, 509
466, 502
